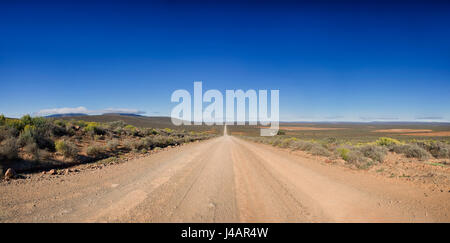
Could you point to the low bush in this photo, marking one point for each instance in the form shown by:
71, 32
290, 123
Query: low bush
281, 132
437, 149
112, 145
2, 120
66, 148
94, 128
358, 159
131, 130
301, 145
411, 151
135, 145
95, 151
318, 149
39, 135
8, 149
33, 150
374, 152
7, 132
343, 153
285, 143
384, 141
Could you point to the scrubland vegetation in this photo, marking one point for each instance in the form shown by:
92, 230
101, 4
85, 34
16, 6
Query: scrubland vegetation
32, 143
362, 154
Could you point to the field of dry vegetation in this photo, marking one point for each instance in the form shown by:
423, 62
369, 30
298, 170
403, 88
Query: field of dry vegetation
33, 143
407, 151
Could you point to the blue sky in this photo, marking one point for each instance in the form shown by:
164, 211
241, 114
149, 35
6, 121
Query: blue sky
331, 61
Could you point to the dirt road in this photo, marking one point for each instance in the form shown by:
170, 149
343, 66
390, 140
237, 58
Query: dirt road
225, 179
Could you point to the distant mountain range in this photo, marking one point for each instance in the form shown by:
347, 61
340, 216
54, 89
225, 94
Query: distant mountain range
83, 114
139, 120
66, 115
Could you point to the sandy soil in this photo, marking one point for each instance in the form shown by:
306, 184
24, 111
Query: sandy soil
225, 179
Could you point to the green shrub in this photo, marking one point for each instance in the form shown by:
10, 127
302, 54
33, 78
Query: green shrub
437, 149
66, 148
411, 151
344, 153
95, 151
188, 139
116, 124
136, 145
94, 128
7, 132
27, 135
8, 149
358, 159
318, 149
168, 130
331, 140
27, 120
2, 120
376, 153
36, 134
281, 132
285, 143
113, 144
132, 130
301, 145
16, 124
33, 150
384, 141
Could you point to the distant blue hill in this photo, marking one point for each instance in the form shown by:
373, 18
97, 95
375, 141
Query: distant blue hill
66, 115
83, 114
121, 114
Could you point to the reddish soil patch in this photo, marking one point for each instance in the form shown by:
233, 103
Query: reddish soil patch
429, 134
403, 130
237, 133
308, 128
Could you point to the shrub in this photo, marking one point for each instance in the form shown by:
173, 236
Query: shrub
412, 151
8, 149
7, 132
301, 145
94, 128
188, 139
117, 124
383, 141
66, 148
358, 159
33, 150
132, 130
150, 131
112, 145
317, 149
376, 153
436, 148
135, 145
95, 151
331, 140
16, 124
2, 120
285, 143
27, 136
168, 130
344, 153
39, 135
